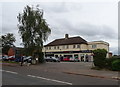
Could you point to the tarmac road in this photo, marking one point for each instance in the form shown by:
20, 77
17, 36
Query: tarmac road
48, 74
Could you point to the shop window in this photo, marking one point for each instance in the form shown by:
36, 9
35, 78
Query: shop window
82, 57
76, 56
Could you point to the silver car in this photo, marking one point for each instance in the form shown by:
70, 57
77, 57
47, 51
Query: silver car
52, 59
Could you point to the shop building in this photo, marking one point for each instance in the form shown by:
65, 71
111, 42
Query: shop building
75, 47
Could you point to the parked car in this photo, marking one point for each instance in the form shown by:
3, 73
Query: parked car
5, 58
28, 59
11, 58
74, 60
52, 59
66, 59
77, 60
70, 59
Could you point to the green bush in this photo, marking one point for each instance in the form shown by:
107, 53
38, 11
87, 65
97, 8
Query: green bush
116, 65
99, 57
108, 62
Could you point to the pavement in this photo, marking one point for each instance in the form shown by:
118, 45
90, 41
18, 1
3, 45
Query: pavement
96, 73
77, 68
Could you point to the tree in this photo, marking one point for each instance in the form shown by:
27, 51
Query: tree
99, 57
7, 42
33, 29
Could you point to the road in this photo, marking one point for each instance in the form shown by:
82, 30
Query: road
44, 75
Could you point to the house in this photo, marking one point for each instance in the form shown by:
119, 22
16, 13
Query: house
75, 47
15, 51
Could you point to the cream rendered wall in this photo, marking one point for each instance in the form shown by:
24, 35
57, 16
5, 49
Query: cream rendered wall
84, 47
99, 45
61, 48
102, 46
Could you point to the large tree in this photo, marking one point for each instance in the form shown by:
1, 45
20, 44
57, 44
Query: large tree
7, 41
33, 29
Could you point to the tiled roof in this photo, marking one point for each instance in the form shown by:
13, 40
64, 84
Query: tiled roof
67, 41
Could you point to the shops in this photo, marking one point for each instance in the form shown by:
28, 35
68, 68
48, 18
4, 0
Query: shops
74, 47
85, 55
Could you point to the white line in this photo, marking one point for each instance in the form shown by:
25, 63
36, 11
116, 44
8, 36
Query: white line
1, 70
50, 79
11, 72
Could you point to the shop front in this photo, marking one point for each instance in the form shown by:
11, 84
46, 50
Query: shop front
81, 55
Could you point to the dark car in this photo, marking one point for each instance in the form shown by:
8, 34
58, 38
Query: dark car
28, 59
52, 59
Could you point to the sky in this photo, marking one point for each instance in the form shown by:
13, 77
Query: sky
92, 20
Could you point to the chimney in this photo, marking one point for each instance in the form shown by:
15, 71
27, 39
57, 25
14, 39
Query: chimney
66, 36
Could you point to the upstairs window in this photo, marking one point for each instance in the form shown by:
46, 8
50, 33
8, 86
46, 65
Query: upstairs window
54, 47
67, 46
63, 47
49, 48
46, 48
57, 47
94, 46
78, 46
74, 46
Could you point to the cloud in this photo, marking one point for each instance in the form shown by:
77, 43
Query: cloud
59, 7
84, 29
92, 21
114, 50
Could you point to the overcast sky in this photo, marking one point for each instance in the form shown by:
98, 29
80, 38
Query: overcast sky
93, 21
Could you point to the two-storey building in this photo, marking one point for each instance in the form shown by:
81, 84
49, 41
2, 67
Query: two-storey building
75, 47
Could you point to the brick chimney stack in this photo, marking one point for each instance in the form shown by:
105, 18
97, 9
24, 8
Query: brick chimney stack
66, 36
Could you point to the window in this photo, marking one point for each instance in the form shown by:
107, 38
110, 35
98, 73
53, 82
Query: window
67, 46
74, 46
54, 47
49, 48
63, 47
94, 46
78, 46
57, 47
46, 48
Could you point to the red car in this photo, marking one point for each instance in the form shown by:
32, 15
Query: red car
66, 59
11, 58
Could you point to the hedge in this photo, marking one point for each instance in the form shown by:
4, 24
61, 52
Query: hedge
116, 65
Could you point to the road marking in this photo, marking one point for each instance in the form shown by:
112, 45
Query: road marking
1, 70
50, 79
9, 71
